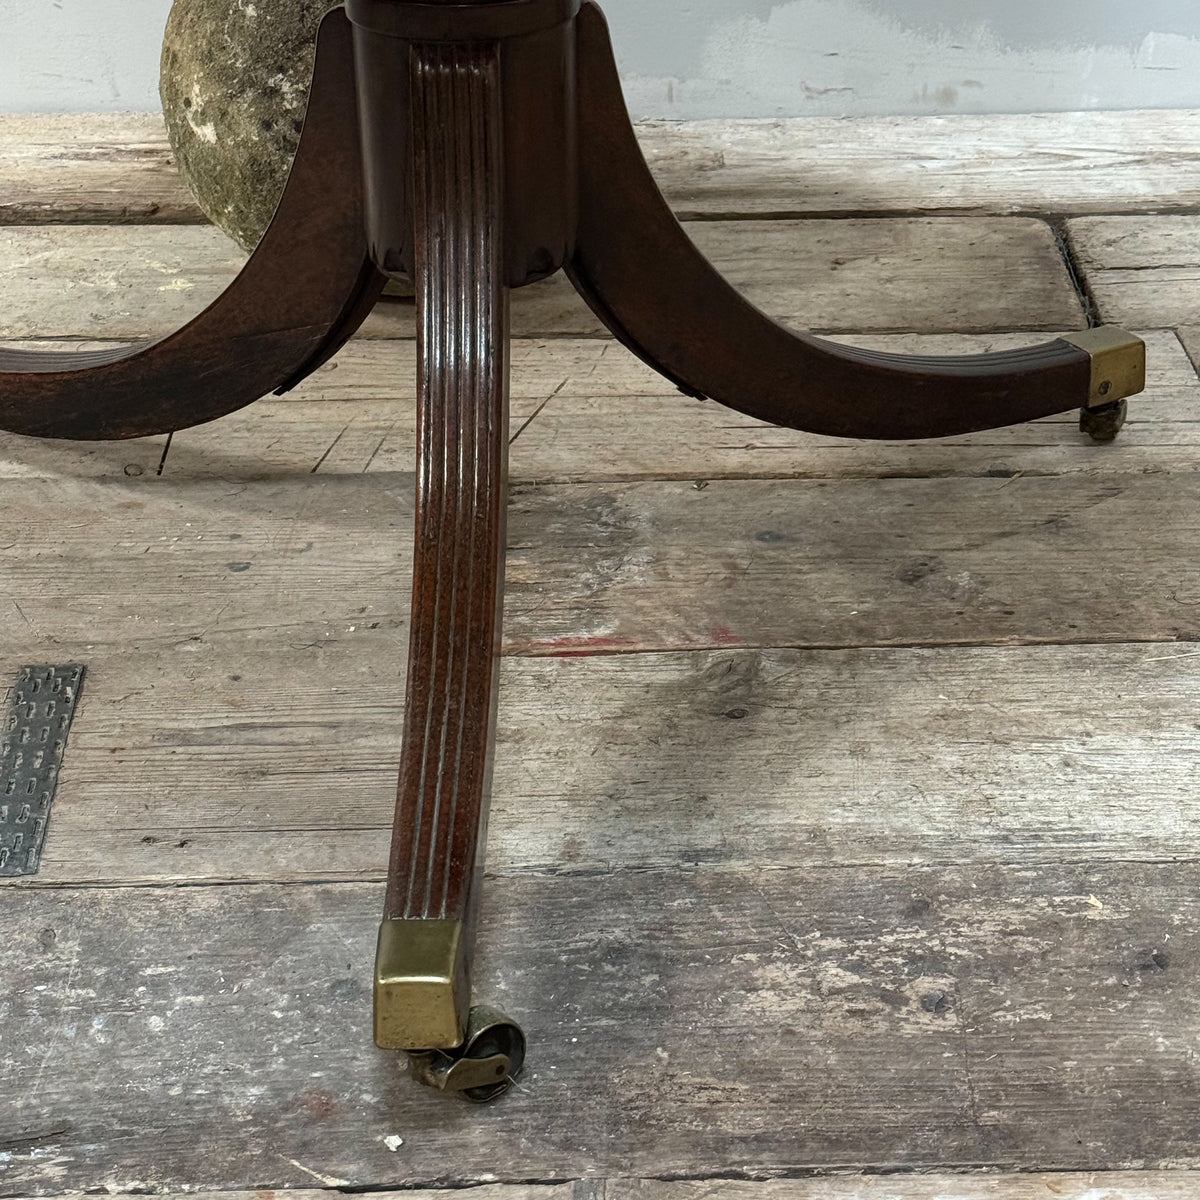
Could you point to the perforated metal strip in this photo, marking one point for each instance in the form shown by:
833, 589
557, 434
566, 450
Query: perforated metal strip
31, 751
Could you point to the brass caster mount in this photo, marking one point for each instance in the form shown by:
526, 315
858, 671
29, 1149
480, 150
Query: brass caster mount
422, 993
484, 1067
1118, 371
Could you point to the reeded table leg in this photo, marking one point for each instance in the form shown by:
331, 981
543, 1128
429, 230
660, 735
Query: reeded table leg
423, 981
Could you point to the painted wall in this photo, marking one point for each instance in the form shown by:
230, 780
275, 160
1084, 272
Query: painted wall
736, 58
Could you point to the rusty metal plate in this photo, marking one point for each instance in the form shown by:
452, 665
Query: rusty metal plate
32, 743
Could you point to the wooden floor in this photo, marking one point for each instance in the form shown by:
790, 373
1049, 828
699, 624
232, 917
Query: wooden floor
844, 825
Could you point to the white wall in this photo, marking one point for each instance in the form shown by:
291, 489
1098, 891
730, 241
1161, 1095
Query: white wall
700, 58
80, 55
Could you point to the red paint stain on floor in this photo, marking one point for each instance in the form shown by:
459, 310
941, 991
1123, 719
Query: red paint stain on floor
722, 635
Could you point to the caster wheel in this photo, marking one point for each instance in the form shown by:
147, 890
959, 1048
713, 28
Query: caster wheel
484, 1067
1104, 423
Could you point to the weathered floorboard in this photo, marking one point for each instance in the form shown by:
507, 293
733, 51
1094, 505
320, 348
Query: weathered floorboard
1110, 1185
117, 167
246, 651
100, 168
926, 274
279, 762
1036, 163
617, 568
1114, 1185
770, 1020
667, 565
935, 274
1143, 271
103, 564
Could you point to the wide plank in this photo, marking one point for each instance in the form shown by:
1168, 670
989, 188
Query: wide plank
618, 568
110, 281
139, 561
1143, 271
1060, 1185
681, 1022
666, 565
248, 639
279, 762
923, 274
1081, 162
117, 167
95, 168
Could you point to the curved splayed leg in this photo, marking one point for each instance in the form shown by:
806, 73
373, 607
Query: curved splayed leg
303, 293
426, 942
660, 296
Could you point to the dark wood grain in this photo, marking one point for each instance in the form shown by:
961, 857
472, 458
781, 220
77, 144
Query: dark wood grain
302, 294
462, 441
663, 299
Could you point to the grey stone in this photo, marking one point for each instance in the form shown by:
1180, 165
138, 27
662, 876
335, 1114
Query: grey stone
234, 86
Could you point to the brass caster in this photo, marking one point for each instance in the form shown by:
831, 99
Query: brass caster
484, 1067
1102, 424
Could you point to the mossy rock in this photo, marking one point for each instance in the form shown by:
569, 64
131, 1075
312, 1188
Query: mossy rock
234, 86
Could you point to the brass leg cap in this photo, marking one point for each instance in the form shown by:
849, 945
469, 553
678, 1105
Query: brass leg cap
422, 985
1118, 363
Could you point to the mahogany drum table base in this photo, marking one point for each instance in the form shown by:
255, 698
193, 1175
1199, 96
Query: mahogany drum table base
476, 147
